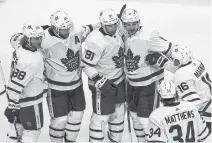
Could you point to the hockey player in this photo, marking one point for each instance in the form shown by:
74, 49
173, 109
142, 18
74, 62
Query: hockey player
103, 61
26, 87
175, 121
142, 78
192, 81
66, 101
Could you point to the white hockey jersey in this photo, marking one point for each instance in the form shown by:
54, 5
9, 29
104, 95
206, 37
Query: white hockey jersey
179, 122
193, 82
137, 47
63, 57
104, 55
26, 84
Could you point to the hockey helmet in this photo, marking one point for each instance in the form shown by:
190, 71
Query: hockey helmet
181, 54
32, 30
166, 89
130, 15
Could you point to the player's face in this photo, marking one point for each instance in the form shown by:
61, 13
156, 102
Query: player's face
176, 62
111, 29
64, 33
35, 42
131, 27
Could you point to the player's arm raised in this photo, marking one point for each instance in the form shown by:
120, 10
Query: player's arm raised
159, 49
86, 30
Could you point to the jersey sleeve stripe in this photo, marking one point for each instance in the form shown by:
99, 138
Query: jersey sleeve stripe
195, 99
208, 83
14, 90
205, 134
203, 131
10, 100
147, 77
188, 94
208, 78
170, 45
206, 114
91, 65
63, 83
28, 99
206, 107
17, 83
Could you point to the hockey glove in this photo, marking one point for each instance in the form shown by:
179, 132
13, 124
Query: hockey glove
156, 59
106, 86
12, 111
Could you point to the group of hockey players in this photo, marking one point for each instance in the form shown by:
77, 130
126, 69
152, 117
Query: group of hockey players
125, 63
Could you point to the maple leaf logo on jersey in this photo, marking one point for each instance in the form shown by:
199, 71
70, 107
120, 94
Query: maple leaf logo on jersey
119, 60
131, 61
72, 61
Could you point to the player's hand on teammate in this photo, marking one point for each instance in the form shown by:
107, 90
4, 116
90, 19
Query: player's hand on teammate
12, 112
156, 59
106, 86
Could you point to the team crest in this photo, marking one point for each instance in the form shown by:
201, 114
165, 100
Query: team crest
119, 60
131, 61
72, 60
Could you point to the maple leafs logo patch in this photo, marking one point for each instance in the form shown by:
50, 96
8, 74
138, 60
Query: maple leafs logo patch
131, 61
119, 60
72, 60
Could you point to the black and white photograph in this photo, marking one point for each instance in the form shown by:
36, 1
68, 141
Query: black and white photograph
105, 71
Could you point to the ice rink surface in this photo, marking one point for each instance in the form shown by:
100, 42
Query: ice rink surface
185, 22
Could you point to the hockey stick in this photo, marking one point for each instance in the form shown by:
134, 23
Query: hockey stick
15, 119
122, 10
3, 79
128, 112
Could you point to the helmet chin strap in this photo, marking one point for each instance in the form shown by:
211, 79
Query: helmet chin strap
56, 32
30, 46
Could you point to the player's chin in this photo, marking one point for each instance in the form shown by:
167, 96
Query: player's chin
132, 32
112, 32
36, 46
65, 36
